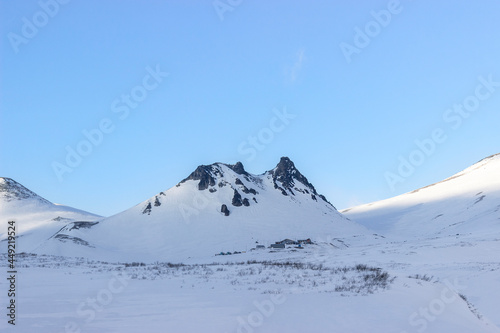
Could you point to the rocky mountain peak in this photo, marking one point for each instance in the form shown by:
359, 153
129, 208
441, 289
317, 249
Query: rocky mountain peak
11, 190
238, 168
285, 167
205, 174
285, 175
208, 174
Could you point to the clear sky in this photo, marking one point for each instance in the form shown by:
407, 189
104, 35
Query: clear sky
106, 103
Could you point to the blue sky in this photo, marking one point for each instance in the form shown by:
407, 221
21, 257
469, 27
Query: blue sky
370, 99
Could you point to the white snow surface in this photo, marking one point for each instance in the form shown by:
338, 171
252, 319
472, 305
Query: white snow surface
466, 203
412, 272
37, 219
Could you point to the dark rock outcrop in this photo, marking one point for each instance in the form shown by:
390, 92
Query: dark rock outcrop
224, 210
237, 202
65, 238
147, 210
238, 168
244, 188
82, 224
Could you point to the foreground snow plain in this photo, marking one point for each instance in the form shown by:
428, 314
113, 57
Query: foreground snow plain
433, 285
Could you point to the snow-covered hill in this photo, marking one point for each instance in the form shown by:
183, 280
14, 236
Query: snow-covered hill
466, 203
37, 219
217, 208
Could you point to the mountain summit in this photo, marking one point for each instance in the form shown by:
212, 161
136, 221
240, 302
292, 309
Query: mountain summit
207, 174
11, 190
284, 176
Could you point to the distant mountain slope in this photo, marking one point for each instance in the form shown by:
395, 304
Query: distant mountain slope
217, 208
37, 219
468, 202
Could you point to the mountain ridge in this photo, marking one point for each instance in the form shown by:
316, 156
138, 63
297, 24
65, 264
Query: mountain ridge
12, 190
466, 202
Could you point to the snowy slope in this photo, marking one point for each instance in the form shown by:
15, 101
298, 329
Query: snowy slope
37, 219
218, 208
468, 202
448, 230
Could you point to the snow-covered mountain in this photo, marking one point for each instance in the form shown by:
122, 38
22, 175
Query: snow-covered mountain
217, 208
466, 203
37, 219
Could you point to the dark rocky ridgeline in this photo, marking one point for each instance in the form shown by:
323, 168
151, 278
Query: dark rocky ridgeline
286, 174
205, 174
238, 168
